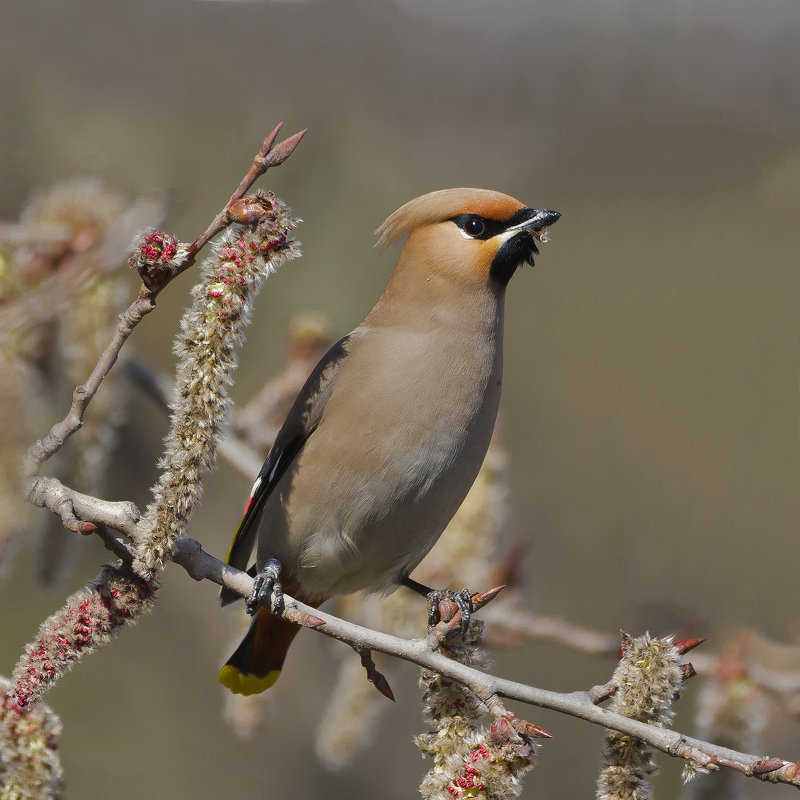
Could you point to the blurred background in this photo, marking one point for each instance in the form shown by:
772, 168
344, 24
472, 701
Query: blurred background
651, 390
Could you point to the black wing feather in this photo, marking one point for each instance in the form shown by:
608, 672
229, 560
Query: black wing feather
300, 423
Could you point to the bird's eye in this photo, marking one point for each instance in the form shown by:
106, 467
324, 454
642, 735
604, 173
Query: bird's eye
474, 227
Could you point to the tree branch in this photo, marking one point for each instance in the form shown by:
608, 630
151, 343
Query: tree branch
581, 704
200, 565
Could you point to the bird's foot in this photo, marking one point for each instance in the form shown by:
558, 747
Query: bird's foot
267, 589
462, 601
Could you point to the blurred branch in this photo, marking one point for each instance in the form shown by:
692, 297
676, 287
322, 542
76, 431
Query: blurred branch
45, 448
233, 448
259, 420
201, 565
55, 292
517, 625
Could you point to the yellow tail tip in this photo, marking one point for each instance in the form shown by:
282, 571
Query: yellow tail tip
239, 683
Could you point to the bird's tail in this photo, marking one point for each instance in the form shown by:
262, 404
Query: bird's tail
256, 663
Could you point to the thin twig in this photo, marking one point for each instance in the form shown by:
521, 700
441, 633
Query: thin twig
269, 155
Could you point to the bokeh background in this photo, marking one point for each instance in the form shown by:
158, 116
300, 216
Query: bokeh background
650, 401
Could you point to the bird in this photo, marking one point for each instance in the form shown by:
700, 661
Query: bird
389, 431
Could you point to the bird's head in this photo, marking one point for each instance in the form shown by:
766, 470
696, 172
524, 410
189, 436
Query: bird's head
468, 233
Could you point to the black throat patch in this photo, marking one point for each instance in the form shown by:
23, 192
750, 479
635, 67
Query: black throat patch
519, 249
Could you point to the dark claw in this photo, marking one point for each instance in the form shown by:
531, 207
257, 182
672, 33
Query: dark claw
462, 599
434, 598
267, 589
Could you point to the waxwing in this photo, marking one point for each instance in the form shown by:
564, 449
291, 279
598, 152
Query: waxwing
389, 432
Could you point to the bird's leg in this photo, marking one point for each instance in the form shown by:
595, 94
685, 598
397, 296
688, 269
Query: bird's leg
267, 589
462, 599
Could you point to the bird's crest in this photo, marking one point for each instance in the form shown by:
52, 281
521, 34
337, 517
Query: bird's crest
445, 204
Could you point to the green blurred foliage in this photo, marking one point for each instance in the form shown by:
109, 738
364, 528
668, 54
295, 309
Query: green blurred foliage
650, 406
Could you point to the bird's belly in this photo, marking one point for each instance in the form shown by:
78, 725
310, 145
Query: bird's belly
387, 525
383, 501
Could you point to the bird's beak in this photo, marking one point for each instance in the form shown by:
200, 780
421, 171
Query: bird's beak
538, 221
